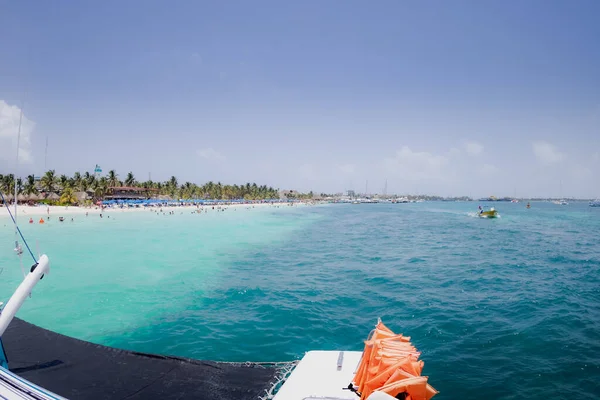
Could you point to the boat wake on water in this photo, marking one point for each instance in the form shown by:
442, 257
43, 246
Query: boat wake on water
477, 215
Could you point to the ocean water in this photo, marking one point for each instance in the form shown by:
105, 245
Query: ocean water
501, 309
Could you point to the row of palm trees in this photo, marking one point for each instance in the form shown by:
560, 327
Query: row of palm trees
64, 188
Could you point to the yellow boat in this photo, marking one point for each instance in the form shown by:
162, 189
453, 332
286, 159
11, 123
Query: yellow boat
488, 214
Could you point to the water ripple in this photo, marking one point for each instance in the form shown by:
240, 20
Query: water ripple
503, 309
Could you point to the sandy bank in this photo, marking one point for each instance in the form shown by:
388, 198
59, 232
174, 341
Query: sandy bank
24, 212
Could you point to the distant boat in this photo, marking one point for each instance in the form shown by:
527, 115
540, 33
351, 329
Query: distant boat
494, 198
561, 202
595, 203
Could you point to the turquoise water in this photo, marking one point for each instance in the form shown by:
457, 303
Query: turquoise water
506, 308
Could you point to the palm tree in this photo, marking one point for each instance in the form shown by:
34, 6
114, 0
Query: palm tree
7, 184
64, 185
68, 197
171, 187
130, 180
30, 185
113, 178
82, 185
207, 189
76, 180
100, 187
19, 186
48, 181
64, 181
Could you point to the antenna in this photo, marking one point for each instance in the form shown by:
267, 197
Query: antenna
17, 166
46, 156
18, 248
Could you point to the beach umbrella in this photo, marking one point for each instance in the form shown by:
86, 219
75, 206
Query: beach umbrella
53, 196
22, 197
33, 197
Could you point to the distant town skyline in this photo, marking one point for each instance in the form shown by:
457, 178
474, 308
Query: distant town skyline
449, 99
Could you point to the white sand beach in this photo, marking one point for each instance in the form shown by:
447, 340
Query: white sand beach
25, 211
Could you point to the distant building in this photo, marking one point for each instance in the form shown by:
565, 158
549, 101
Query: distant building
130, 193
286, 194
351, 193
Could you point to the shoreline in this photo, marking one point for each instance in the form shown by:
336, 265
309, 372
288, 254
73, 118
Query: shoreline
24, 211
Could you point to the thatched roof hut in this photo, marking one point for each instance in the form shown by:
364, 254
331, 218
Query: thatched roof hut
81, 196
52, 196
21, 197
33, 197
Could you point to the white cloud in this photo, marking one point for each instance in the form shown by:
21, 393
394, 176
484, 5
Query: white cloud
547, 153
489, 169
346, 168
210, 154
9, 129
449, 172
413, 165
473, 148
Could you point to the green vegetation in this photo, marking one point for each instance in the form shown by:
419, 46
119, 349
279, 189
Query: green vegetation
66, 190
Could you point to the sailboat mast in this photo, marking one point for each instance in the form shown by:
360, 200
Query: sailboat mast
561, 192
46, 155
16, 172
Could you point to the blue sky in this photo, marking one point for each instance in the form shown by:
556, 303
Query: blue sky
450, 98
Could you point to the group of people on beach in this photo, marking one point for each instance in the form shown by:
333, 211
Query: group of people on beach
158, 209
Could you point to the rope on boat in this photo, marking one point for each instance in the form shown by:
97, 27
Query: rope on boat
259, 363
285, 370
18, 229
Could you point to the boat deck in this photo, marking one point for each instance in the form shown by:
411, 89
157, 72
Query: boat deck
322, 375
12, 387
76, 369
